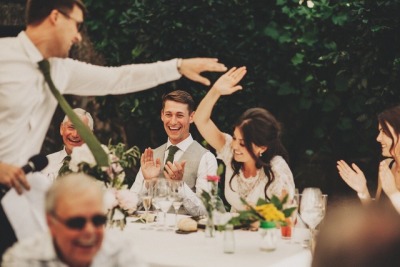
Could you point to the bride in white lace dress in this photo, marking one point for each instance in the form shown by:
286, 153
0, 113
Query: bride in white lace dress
255, 159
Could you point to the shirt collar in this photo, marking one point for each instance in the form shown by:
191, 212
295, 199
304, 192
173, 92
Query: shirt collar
30, 49
182, 145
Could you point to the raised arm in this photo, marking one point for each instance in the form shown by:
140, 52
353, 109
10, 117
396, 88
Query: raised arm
192, 67
225, 85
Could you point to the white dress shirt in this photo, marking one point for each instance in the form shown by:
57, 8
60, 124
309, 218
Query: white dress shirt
27, 105
208, 166
55, 163
39, 251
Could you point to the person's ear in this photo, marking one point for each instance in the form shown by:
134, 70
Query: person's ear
162, 115
62, 129
54, 16
191, 116
50, 223
261, 150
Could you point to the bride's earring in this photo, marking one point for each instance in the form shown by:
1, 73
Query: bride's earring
260, 154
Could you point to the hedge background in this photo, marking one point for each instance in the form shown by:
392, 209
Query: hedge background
325, 72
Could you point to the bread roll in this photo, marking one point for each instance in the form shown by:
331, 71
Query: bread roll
187, 225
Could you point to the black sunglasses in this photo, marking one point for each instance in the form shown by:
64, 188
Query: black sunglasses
78, 223
79, 24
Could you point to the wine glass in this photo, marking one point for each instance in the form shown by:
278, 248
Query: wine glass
162, 196
178, 195
146, 195
312, 209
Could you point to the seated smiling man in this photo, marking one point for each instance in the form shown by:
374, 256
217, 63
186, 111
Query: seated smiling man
75, 216
195, 162
71, 139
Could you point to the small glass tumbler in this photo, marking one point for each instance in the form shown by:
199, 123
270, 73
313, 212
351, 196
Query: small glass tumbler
269, 235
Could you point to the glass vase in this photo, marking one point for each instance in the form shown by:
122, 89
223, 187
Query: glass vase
115, 218
209, 228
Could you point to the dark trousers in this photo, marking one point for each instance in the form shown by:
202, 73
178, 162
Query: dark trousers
7, 234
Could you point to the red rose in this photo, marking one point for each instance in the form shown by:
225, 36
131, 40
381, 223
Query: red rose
213, 178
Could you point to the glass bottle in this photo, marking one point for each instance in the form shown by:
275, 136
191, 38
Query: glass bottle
229, 239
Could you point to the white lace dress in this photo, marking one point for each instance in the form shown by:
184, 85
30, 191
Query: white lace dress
253, 188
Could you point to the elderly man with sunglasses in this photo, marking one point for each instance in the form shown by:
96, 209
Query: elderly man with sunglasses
75, 216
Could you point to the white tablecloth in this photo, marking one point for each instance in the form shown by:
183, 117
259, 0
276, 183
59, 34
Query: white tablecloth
158, 248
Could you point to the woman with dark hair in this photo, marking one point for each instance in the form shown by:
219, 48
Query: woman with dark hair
255, 159
389, 169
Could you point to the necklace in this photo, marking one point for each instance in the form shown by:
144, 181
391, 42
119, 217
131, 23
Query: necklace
245, 188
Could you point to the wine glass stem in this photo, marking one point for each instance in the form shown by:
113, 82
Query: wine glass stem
176, 218
145, 215
312, 240
165, 221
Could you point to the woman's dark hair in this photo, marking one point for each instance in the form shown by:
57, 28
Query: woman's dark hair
390, 116
258, 126
38, 10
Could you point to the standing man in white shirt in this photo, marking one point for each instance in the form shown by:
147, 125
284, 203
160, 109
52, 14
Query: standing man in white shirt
26, 102
191, 162
71, 139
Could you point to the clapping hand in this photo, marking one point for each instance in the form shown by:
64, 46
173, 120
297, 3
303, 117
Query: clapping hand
387, 179
227, 83
192, 67
174, 171
150, 167
353, 176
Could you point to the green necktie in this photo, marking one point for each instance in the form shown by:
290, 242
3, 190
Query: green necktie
171, 152
83, 130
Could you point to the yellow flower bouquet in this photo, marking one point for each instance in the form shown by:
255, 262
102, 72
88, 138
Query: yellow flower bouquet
272, 210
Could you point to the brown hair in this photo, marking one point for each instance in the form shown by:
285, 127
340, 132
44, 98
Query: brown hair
38, 10
390, 116
180, 97
258, 126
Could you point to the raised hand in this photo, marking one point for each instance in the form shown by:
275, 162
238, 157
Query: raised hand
192, 67
150, 167
227, 83
174, 171
354, 177
387, 179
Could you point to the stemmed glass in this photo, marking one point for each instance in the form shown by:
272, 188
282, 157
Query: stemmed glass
163, 198
312, 209
178, 195
146, 195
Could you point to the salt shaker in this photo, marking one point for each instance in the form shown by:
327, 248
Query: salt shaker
269, 236
229, 239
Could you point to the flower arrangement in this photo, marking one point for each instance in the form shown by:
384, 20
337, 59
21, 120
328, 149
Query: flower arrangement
273, 210
119, 201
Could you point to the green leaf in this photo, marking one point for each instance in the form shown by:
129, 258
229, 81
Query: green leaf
272, 31
287, 212
297, 59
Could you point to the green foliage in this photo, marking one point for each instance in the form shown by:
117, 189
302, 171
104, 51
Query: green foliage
323, 71
127, 158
